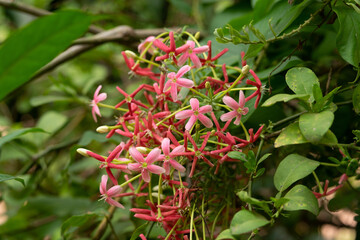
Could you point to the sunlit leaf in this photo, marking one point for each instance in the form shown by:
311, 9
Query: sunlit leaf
313, 126
245, 221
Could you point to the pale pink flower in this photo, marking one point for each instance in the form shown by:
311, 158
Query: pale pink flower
191, 53
195, 114
97, 98
169, 156
107, 195
145, 43
238, 108
146, 165
175, 80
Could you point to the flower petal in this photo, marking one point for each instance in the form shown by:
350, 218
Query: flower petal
153, 156
103, 183
178, 149
165, 146
241, 99
114, 191
201, 49
114, 203
101, 97
229, 101
184, 114
182, 71
238, 119
228, 116
183, 58
191, 122
195, 59
177, 165
155, 169
166, 166
194, 104
173, 91
134, 166
136, 155
145, 175
184, 82
97, 91
205, 109
245, 110
205, 120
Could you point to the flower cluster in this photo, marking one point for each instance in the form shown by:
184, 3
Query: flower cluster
171, 130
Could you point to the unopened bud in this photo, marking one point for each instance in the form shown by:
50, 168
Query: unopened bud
245, 70
207, 85
83, 152
142, 150
130, 54
103, 129
197, 35
155, 194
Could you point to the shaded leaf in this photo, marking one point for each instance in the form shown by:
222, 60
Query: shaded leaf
6, 177
329, 138
301, 81
226, 234
245, 221
253, 50
40, 100
13, 135
138, 231
74, 222
284, 98
36, 44
301, 198
356, 99
291, 169
290, 135
313, 126
348, 38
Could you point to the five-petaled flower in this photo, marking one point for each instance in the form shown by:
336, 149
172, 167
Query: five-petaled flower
191, 52
145, 165
195, 113
175, 80
238, 108
108, 194
97, 98
169, 156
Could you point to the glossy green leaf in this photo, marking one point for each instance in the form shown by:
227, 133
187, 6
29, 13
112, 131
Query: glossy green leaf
301, 198
6, 177
245, 221
74, 222
301, 81
225, 235
313, 126
348, 38
290, 135
33, 46
284, 98
356, 99
237, 155
13, 135
291, 169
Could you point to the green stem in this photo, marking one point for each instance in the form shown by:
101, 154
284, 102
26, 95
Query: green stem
199, 93
329, 164
192, 222
215, 220
245, 131
171, 115
130, 180
318, 182
112, 107
288, 119
222, 93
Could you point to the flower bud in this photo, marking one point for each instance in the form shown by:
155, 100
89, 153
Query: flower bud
245, 70
197, 35
83, 152
130, 54
142, 150
208, 85
103, 129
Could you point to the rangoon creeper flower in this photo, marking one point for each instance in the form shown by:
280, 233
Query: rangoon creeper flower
146, 165
142, 46
97, 98
107, 195
195, 114
169, 156
238, 108
175, 80
191, 53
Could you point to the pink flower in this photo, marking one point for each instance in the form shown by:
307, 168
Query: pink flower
171, 51
191, 53
107, 195
238, 108
169, 156
97, 98
145, 165
145, 43
194, 114
209, 60
258, 85
175, 80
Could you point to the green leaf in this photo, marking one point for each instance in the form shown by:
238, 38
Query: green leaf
284, 98
290, 135
348, 38
253, 50
356, 99
263, 158
301, 81
13, 135
313, 126
245, 221
329, 138
291, 169
226, 234
6, 177
40, 100
301, 198
243, 195
237, 155
90, 136
33, 46
138, 231
74, 222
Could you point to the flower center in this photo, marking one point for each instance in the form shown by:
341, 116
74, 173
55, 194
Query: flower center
240, 110
196, 112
